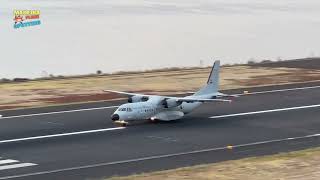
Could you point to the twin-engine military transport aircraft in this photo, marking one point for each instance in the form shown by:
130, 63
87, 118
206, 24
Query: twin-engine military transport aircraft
167, 108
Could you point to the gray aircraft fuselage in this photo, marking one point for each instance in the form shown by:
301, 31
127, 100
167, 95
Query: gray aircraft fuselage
151, 109
167, 108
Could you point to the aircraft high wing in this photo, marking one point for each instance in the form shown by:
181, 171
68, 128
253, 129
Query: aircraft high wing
180, 99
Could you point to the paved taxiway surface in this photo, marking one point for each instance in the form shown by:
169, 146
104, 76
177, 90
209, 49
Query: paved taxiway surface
85, 144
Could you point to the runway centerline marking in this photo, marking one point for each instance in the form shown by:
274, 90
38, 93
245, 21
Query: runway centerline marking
58, 112
162, 156
266, 111
59, 135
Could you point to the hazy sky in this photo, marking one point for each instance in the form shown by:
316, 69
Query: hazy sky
82, 36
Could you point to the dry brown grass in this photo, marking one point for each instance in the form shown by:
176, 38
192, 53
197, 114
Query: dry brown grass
40, 93
286, 166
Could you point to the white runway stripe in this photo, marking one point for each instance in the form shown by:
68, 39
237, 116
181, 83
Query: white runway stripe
7, 161
60, 135
278, 90
59, 112
14, 166
266, 111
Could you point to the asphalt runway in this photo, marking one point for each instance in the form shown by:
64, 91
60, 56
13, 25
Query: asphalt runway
80, 141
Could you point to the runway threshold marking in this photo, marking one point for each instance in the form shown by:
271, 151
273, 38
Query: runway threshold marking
60, 135
58, 112
227, 147
6, 164
266, 111
14, 166
6, 161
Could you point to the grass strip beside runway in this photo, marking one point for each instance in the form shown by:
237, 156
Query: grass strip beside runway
296, 165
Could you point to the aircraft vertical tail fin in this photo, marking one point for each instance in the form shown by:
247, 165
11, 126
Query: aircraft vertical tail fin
213, 81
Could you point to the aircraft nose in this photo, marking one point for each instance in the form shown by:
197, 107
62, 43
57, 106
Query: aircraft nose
115, 117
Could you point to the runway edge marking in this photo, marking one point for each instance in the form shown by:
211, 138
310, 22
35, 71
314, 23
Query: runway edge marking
278, 90
161, 156
266, 111
60, 135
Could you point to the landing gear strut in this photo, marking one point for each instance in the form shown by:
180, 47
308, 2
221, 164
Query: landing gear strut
121, 123
153, 121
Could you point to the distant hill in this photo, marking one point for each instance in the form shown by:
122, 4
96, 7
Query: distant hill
308, 63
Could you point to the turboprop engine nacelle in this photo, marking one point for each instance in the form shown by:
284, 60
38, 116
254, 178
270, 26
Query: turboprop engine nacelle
169, 103
134, 99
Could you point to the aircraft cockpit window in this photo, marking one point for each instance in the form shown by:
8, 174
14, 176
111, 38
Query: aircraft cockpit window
125, 109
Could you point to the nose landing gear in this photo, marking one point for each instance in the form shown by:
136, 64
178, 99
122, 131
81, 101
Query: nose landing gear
121, 123
153, 120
